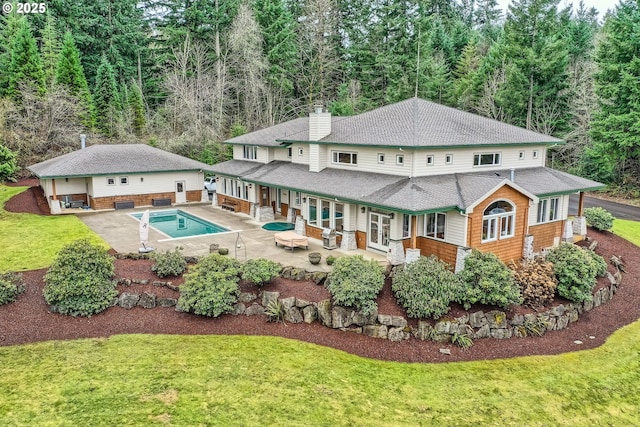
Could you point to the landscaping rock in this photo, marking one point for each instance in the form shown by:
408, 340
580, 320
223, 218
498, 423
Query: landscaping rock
166, 302
302, 303
477, 319
268, 297
501, 334
398, 321
483, 332
292, 315
286, 272
517, 320
317, 277
147, 300
247, 296
375, 331
298, 274
341, 317
238, 309
309, 314
254, 310
324, 313
496, 319
360, 319
173, 287
397, 334
127, 300
424, 331
288, 303
384, 319
353, 329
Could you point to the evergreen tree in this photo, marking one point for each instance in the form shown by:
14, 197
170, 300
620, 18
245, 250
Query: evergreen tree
50, 50
616, 152
487, 16
463, 89
25, 66
9, 24
278, 34
107, 101
70, 74
136, 107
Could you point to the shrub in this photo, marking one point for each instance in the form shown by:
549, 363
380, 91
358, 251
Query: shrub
170, 263
8, 164
462, 340
275, 311
355, 282
486, 280
10, 287
260, 271
425, 288
537, 282
599, 218
576, 269
330, 260
79, 281
211, 288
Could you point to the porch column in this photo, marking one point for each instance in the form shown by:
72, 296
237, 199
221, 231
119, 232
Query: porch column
581, 203
414, 231
55, 204
53, 189
580, 222
349, 223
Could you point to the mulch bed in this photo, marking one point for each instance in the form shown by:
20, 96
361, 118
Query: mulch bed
28, 319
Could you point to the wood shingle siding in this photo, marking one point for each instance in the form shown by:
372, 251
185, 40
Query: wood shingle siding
240, 205
545, 234
447, 252
138, 200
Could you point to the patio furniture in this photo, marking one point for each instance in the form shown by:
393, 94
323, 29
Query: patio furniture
291, 239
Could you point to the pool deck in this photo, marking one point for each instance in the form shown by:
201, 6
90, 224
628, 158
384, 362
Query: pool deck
246, 240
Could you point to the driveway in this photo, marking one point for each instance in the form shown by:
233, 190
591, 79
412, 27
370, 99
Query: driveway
246, 240
618, 210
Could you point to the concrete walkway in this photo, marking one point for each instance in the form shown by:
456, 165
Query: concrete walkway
246, 240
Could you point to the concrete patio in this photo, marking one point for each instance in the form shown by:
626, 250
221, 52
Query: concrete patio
246, 240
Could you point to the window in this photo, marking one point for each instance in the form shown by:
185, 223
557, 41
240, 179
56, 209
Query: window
300, 152
289, 152
344, 157
380, 157
338, 217
498, 220
250, 152
111, 181
448, 159
434, 225
406, 225
313, 211
430, 160
521, 155
535, 154
326, 213
124, 180
486, 159
548, 209
400, 159
298, 198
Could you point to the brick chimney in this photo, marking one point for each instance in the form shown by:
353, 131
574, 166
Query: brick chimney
319, 123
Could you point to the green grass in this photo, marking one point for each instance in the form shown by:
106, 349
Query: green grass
241, 380
32, 241
629, 230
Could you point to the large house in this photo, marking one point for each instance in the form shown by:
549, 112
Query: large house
119, 176
413, 176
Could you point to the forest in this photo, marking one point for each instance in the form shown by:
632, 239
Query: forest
184, 75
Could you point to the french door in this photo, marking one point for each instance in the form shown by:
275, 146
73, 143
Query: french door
379, 230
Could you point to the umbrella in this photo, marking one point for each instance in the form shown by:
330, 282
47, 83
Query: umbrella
144, 232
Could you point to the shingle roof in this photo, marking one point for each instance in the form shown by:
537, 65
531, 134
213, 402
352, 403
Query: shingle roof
413, 123
413, 195
115, 159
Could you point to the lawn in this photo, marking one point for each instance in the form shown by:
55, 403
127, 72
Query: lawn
242, 380
32, 241
629, 230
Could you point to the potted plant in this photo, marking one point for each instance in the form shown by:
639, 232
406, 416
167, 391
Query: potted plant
223, 251
314, 258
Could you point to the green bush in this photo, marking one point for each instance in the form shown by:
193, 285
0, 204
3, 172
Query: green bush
260, 271
330, 260
487, 280
355, 282
599, 218
79, 282
10, 287
8, 164
425, 288
211, 287
577, 270
170, 263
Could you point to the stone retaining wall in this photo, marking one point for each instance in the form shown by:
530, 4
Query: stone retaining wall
492, 324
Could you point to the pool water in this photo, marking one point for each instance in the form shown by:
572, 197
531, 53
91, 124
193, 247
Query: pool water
176, 223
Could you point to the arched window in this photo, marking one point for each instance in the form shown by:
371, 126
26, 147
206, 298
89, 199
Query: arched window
498, 220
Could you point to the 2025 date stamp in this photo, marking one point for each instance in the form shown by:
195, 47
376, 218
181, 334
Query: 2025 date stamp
24, 8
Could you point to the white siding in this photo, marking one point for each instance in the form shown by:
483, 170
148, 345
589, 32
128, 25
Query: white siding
296, 157
368, 160
455, 228
262, 154
463, 160
563, 208
314, 158
277, 153
146, 183
73, 186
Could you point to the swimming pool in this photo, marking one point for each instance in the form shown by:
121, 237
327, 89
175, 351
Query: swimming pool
177, 223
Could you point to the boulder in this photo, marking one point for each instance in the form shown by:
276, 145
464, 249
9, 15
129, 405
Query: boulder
360, 319
496, 319
286, 272
166, 302
288, 303
309, 314
501, 333
247, 296
424, 331
384, 319
254, 310
147, 300
301, 303
477, 319
324, 312
267, 297
397, 334
127, 300
376, 331
317, 277
292, 315
398, 321
341, 317
238, 309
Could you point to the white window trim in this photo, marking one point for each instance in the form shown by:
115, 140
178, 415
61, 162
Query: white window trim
335, 158
300, 152
250, 152
545, 205
125, 178
534, 155
289, 152
400, 159
432, 158
478, 156
112, 179
521, 155
448, 159
435, 234
381, 156
495, 223
318, 219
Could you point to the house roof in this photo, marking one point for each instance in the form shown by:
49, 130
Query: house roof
410, 195
111, 159
413, 123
